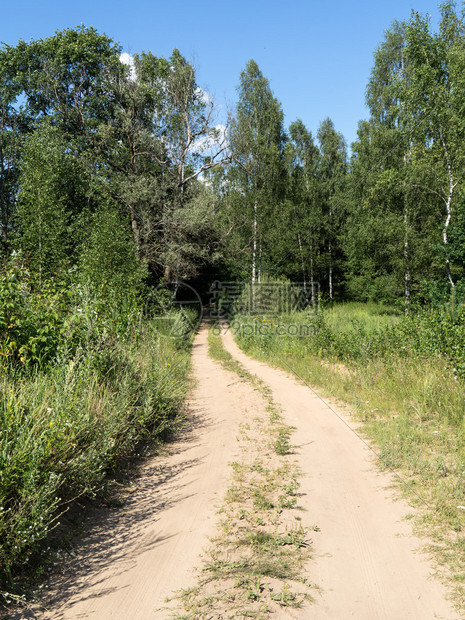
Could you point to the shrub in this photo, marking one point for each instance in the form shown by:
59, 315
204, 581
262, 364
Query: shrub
63, 429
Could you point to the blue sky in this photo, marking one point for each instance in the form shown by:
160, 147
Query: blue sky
316, 55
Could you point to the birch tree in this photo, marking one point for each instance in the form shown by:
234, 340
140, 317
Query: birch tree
257, 141
304, 212
433, 108
332, 171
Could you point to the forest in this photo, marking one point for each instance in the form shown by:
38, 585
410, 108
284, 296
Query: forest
116, 178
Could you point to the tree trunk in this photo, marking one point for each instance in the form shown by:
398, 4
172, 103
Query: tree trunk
444, 234
330, 274
330, 270
3, 204
448, 202
135, 230
407, 280
312, 275
302, 262
254, 245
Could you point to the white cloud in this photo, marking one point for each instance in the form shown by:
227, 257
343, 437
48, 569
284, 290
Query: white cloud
212, 142
128, 60
204, 96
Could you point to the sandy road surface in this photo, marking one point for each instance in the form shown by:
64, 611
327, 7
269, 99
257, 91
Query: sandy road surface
366, 561
137, 556
365, 556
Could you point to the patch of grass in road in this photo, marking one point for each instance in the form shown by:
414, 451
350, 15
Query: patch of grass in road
256, 563
217, 351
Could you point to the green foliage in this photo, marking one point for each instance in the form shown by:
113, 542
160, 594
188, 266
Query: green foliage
109, 263
270, 295
64, 76
298, 238
356, 333
363, 333
81, 383
51, 182
31, 318
255, 179
331, 174
11, 121
61, 431
190, 240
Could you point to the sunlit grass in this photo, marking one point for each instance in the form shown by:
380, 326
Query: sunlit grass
63, 429
370, 316
412, 407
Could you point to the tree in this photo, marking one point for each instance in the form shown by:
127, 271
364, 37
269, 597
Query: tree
304, 209
162, 141
65, 77
11, 123
192, 146
332, 171
433, 110
92, 133
256, 177
379, 241
63, 81
108, 260
52, 192
393, 222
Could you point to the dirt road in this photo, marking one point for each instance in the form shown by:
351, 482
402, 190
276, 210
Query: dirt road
366, 560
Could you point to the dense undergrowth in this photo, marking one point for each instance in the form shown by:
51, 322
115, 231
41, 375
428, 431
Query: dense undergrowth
355, 332
81, 384
404, 378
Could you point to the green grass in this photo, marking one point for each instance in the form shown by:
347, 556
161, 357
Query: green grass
370, 317
219, 353
411, 403
63, 429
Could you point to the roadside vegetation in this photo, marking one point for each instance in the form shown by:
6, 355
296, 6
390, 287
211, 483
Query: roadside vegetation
81, 385
402, 377
116, 179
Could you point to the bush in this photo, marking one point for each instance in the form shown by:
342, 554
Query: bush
63, 429
31, 321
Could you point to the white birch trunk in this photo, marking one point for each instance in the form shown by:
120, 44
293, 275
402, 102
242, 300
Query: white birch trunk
330, 270
254, 245
448, 203
407, 279
444, 233
312, 278
330, 274
302, 262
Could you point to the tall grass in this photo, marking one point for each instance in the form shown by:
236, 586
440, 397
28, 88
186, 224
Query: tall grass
63, 428
403, 379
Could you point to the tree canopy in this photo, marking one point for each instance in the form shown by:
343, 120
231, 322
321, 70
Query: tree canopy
97, 156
